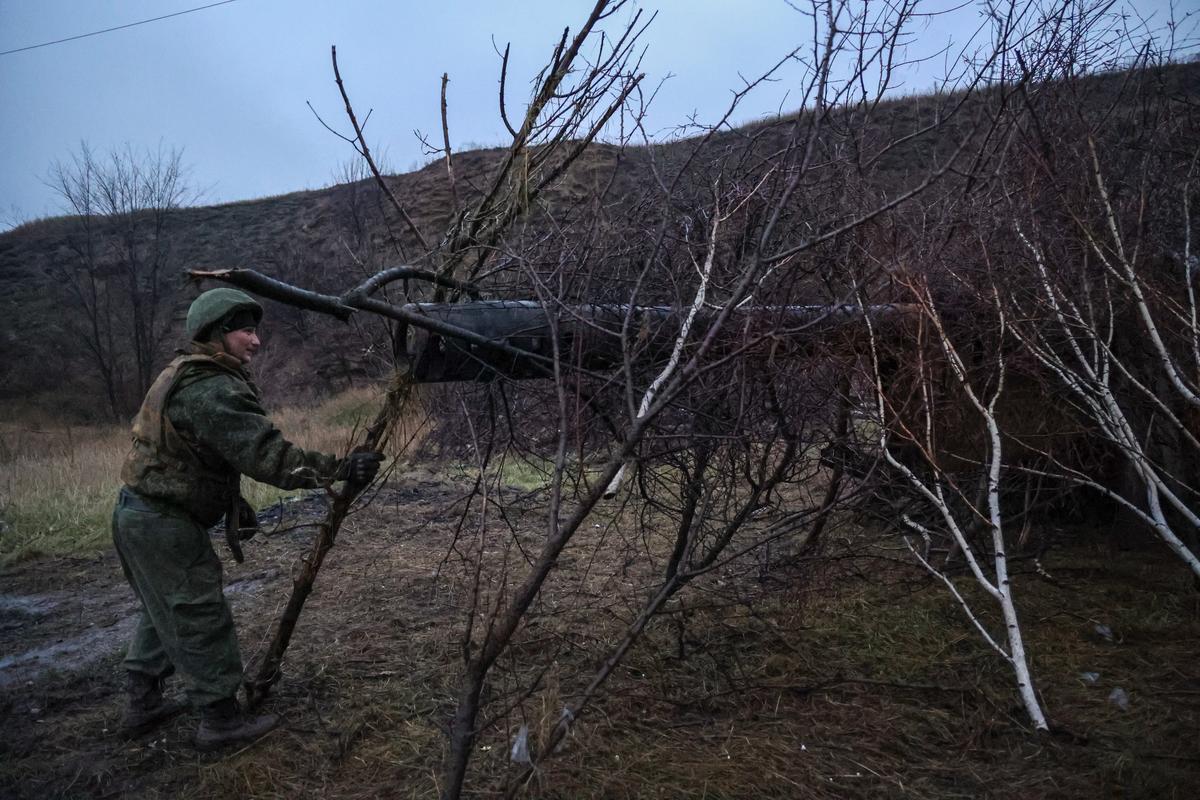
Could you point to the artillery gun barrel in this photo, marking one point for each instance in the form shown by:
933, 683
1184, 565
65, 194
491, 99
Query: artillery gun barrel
599, 337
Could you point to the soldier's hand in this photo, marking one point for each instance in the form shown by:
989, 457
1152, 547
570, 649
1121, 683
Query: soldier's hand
360, 468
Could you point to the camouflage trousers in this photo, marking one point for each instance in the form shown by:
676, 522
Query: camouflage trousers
185, 620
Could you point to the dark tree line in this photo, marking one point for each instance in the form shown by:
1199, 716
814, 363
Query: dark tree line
120, 279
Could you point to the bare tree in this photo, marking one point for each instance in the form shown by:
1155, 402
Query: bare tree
120, 277
568, 109
1101, 219
688, 332
1054, 338
940, 450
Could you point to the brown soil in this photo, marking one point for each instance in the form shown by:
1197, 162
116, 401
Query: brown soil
65, 621
870, 692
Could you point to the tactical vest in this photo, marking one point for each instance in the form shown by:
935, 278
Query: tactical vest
165, 465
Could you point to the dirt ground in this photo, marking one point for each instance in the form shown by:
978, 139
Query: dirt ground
65, 621
873, 693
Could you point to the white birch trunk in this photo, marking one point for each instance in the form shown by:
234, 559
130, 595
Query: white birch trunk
1089, 379
1000, 588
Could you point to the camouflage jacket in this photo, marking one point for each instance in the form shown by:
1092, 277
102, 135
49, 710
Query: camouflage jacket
200, 428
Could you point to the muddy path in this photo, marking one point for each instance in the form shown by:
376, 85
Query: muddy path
65, 621
878, 692
65, 615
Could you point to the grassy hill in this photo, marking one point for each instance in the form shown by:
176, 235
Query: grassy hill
322, 239
326, 239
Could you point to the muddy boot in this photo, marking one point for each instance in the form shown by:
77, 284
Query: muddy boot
147, 707
224, 722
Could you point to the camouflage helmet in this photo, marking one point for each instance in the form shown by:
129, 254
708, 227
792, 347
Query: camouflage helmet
213, 306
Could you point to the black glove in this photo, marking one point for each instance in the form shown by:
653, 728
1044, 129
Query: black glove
360, 468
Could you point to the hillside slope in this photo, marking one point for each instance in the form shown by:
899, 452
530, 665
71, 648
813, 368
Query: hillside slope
324, 239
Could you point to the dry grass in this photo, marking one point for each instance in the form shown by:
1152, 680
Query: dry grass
868, 691
57, 488
57, 484
852, 681
863, 692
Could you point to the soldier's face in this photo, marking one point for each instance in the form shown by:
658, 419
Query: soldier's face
242, 344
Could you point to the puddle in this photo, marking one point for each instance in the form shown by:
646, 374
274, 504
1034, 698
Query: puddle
244, 586
30, 605
68, 655
54, 633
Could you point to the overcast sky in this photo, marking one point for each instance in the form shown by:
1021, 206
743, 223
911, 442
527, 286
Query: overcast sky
228, 85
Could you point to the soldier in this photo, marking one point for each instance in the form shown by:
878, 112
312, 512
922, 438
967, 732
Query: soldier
200, 428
